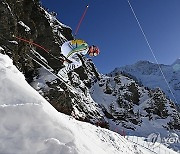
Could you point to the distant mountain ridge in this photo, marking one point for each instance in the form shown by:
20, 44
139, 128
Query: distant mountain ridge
149, 75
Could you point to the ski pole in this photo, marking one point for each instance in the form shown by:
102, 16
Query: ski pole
41, 47
24, 40
81, 19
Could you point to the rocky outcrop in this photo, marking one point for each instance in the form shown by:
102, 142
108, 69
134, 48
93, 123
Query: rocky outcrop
149, 75
27, 19
130, 105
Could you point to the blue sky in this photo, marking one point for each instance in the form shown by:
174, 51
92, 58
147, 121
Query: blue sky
111, 26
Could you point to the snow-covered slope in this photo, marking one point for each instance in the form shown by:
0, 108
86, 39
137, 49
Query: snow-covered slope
149, 75
133, 109
29, 124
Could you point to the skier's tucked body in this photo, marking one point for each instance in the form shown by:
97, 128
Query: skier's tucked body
72, 50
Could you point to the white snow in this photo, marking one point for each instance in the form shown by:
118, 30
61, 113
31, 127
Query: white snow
1, 49
29, 124
14, 42
8, 7
147, 127
27, 29
156, 147
150, 75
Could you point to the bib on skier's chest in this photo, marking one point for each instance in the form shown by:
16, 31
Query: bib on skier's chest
77, 46
77, 43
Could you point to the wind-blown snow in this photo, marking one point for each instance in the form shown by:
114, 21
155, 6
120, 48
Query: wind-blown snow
29, 124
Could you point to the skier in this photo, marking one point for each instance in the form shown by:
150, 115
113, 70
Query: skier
72, 51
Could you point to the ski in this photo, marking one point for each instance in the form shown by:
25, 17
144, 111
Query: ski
41, 59
50, 70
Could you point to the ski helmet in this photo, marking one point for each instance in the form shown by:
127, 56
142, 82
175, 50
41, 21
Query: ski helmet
93, 51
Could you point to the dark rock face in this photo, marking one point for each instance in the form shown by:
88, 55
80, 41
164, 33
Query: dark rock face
13, 14
28, 20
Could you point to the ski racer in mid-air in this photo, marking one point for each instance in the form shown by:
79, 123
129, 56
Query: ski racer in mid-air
72, 50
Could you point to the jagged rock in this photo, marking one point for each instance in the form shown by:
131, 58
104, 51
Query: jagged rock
148, 74
28, 19
129, 103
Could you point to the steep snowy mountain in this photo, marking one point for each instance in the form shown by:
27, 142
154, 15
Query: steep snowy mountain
134, 109
118, 103
150, 75
29, 124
